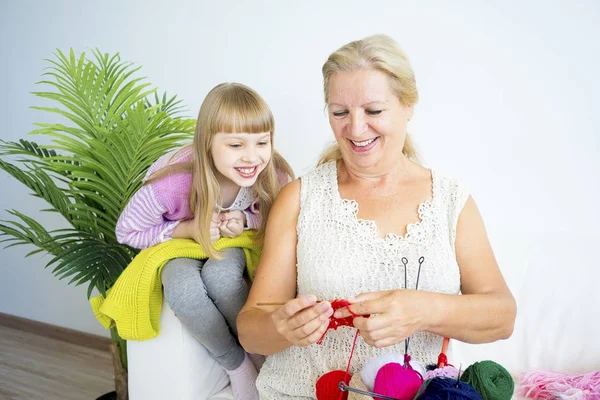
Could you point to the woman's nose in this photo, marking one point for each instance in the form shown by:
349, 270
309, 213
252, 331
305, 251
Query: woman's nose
358, 125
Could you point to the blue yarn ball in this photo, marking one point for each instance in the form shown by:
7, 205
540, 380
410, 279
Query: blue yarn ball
440, 388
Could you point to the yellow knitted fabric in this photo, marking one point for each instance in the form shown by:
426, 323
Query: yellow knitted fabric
134, 303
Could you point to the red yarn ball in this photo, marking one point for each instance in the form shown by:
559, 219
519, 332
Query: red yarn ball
327, 385
395, 380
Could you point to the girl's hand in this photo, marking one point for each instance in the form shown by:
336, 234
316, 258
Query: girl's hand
395, 315
302, 321
232, 223
215, 231
190, 229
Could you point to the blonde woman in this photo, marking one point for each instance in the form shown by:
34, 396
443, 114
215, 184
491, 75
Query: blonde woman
364, 220
221, 184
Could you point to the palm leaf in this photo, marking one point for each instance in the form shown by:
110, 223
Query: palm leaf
41, 184
91, 261
25, 148
26, 230
169, 105
116, 127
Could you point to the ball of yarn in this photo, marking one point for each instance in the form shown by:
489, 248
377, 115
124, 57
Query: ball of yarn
419, 367
490, 379
395, 380
448, 389
446, 372
373, 365
357, 383
327, 385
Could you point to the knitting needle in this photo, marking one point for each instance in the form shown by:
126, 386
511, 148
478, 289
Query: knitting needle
345, 388
458, 377
445, 345
272, 304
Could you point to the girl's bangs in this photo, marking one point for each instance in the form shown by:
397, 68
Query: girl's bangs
243, 113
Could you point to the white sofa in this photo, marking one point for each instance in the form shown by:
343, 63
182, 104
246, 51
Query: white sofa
174, 366
554, 279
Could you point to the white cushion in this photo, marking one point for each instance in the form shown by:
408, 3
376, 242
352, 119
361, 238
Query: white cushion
557, 329
174, 366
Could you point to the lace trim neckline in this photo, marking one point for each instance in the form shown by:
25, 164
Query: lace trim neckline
245, 195
370, 225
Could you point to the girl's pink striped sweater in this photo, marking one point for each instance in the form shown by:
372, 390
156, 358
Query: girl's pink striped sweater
157, 208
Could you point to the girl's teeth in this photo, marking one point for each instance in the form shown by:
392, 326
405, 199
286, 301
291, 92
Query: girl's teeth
246, 170
363, 144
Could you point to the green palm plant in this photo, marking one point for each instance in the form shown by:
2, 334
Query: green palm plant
115, 127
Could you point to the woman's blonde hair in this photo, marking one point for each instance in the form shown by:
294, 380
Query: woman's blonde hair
228, 108
381, 53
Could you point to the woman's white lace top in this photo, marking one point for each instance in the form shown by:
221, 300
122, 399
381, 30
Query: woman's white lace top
340, 256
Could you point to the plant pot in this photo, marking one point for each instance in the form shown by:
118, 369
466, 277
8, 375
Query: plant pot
108, 396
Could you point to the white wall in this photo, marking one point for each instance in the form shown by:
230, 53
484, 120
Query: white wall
509, 103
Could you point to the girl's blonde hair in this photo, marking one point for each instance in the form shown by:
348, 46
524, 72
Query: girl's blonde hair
381, 53
228, 108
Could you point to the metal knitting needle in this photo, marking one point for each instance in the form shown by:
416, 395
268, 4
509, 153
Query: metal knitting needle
405, 262
458, 377
421, 260
345, 388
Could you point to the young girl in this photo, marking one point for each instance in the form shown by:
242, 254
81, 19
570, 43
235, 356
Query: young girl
221, 184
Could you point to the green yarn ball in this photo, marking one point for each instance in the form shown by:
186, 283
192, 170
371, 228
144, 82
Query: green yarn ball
490, 379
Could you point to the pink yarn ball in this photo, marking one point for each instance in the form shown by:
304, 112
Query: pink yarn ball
373, 365
394, 380
447, 372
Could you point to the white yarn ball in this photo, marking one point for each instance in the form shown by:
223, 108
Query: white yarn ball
419, 367
372, 366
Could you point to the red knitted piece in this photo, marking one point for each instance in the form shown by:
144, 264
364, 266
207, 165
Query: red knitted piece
334, 323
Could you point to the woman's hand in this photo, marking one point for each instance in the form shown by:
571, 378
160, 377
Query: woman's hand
395, 315
232, 223
302, 321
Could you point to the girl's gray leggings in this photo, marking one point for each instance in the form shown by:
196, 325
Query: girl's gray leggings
206, 296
